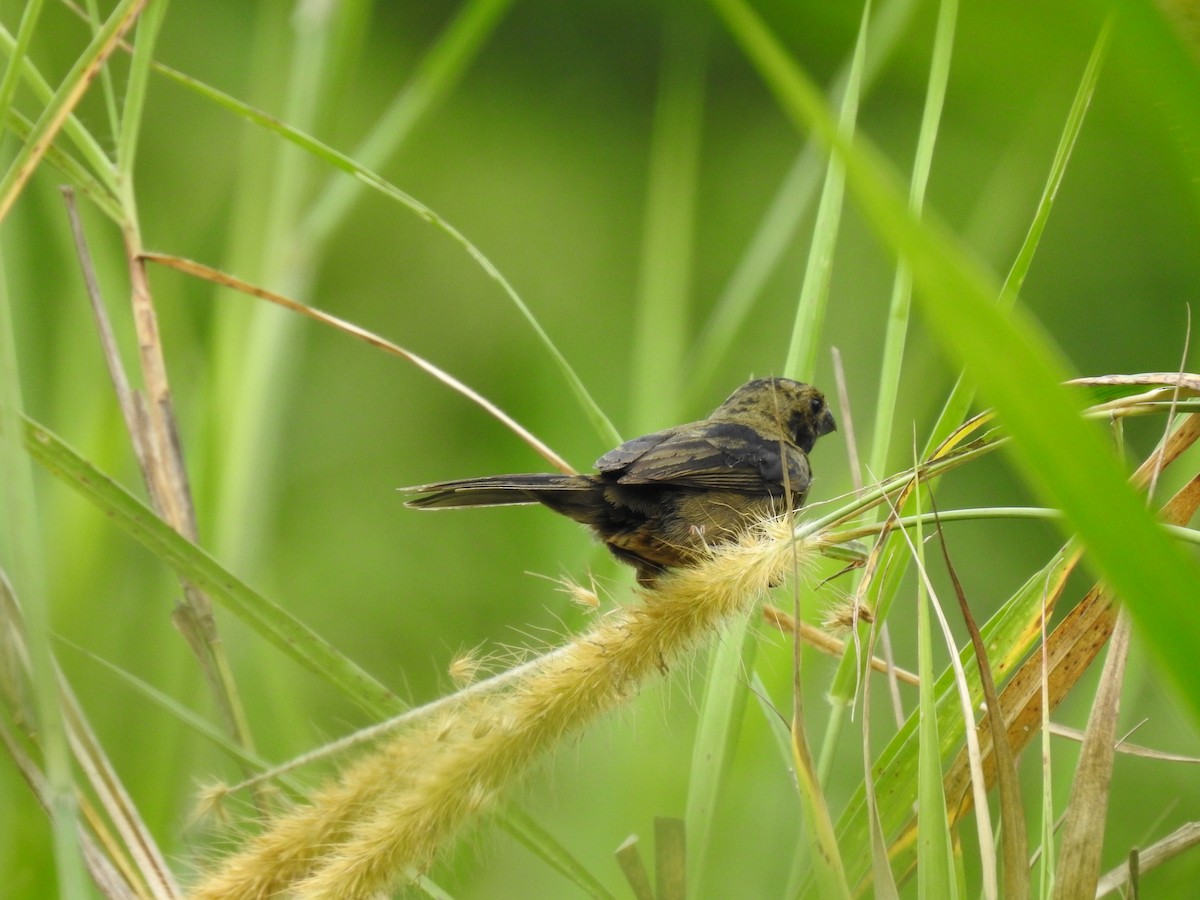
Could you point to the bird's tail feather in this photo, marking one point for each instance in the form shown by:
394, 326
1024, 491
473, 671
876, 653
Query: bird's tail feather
495, 490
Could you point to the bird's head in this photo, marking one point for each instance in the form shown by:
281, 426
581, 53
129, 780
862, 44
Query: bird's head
780, 406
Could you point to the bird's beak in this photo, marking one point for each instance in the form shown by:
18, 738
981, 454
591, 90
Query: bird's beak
826, 423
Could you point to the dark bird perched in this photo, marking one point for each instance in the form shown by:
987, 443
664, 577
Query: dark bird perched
661, 500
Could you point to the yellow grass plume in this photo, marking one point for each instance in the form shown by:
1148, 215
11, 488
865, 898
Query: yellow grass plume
389, 814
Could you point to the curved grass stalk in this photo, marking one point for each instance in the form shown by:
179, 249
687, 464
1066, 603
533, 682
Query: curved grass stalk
603, 426
208, 273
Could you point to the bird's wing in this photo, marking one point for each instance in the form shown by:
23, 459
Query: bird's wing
622, 457
710, 455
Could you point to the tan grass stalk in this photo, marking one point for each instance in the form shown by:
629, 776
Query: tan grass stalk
393, 811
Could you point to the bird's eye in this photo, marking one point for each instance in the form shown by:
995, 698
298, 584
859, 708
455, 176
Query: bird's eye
817, 404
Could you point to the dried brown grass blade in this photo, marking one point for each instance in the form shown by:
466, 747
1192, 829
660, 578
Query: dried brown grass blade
1078, 868
155, 437
124, 864
1070, 650
1012, 812
135, 838
826, 643
199, 270
107, 878
634, 869
129, 401
1183, 838
1126, 747
670, 858
1181, 380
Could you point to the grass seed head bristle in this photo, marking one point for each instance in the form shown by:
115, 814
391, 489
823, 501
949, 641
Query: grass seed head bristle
586, 596
844, 615
211, 802
464, 668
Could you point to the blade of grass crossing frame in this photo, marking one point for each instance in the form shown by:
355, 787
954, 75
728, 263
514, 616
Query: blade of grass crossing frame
963, 393
22, 554
17, 55
957, 404
1061, 456
775, 232
271, 622
895, 339
89, 148
600, 422
935, 863
660, 323
901, 302
801, 360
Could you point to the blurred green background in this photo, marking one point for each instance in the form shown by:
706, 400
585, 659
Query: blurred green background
297, 437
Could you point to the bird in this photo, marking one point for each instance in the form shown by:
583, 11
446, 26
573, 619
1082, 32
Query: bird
663, 500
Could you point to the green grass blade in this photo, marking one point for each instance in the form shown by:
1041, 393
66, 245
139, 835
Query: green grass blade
660, 329
935, 864
68, 95
89, 148
197, 724
543, 844
436, 75
1062, 456
801, 361
271, 622
717, 724
599, 421
901, 302
21, 554
776, 231
16, 57
963, 393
